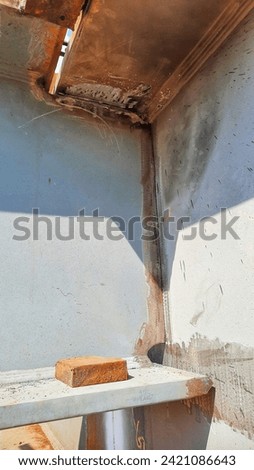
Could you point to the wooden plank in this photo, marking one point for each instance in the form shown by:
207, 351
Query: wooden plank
90, 370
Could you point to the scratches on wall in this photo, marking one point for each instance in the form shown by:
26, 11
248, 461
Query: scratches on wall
231, 368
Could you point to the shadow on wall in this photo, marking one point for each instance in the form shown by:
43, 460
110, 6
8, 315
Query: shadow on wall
204, 141
60, 164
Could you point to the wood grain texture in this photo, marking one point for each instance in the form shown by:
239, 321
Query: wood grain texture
90, 370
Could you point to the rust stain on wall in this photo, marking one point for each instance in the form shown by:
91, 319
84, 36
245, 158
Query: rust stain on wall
153, 331
196, 387
205, 403
44, 52
231, 368
106, 101
106, 94
95, 438
29, 47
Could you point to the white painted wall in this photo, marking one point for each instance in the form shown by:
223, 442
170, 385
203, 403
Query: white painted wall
205, 161
65, 298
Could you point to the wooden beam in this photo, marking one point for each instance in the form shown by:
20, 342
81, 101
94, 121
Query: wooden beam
220, 30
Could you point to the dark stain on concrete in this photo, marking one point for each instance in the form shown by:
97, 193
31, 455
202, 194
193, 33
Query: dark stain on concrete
188, 147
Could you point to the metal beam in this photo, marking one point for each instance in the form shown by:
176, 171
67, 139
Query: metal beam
36, 396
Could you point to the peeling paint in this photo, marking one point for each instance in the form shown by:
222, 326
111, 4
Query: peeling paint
105, 94
96, 109
205, 403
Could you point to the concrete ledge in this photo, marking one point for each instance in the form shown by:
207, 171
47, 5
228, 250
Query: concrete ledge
35, 396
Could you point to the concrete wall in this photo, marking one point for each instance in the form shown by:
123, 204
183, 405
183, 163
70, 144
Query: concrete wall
76, 297
64, 298
204, 144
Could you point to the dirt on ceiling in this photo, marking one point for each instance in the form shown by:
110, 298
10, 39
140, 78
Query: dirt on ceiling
124, 58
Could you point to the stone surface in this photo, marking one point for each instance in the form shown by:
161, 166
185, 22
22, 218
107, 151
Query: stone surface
90, 370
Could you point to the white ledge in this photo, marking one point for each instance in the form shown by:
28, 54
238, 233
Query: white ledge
35, 396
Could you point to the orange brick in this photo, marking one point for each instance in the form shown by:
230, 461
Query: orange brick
90, 370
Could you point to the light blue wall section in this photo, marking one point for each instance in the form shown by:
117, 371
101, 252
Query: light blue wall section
64, 298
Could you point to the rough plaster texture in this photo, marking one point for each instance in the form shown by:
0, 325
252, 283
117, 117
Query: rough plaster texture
204, 148
66, 298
